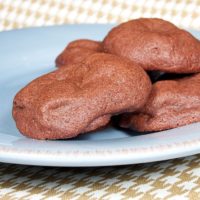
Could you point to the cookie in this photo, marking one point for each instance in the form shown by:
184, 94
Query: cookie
77, 51
156, 45
80, 98
172, 103
86, 44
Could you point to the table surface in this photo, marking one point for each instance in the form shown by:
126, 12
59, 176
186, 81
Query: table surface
174, 179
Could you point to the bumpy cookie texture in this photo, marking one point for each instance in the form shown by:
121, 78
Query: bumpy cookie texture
77, 51
172, 103
155, 44
80, 98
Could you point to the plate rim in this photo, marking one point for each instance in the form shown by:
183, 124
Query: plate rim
83, 159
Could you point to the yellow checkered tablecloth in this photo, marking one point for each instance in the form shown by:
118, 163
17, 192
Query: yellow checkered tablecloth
175, 179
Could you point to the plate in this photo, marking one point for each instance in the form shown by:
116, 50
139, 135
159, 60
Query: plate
28, 53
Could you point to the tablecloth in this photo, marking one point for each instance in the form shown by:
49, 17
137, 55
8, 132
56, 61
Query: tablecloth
173, 179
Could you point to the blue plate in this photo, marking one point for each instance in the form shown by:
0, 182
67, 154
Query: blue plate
28, 53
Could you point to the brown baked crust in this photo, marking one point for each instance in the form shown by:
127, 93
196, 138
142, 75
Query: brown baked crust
77, 51
80, 98
86, 44
155, 44
172, 103
73, 56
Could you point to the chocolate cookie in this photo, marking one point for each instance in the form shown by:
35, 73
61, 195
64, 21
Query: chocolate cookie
80, 98
86, 44
78, 50
172, 103
155, 44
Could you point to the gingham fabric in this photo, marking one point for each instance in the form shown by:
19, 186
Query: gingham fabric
23, 13
175, 179
171, 180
